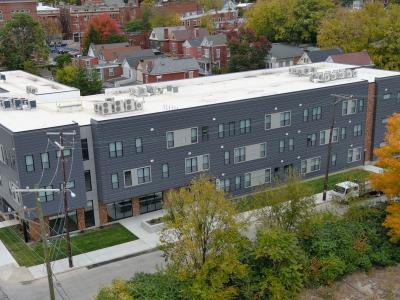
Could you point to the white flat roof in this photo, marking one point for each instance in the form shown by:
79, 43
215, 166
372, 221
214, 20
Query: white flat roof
192, 93
17, 81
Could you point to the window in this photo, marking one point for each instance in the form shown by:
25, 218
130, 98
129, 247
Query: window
311, 139
333, 159
115, 149
239, 154
191, 165
354, 154
353, 106
227, 158
165, 171
206, 53
263, 150
231, 128
206, 162
139, 145
127, 178
245, 126
285, 119
225, 185
111, 72
343, 133
67, 153
267, 175
45, 160
281, 146
85, 149
310, 165
316, 113
315, 164
204, 133
357, 130
170, 139
387, 96
143, 175
324, 136
305, 115
114, 181
247, 180
291, 144
335, 135
344, 107
267, 122
194, 135
70, 185
361, 104
218, 53
88, 181
349, 107
46, 196
398, 97
29, 164
238, 183
221, 130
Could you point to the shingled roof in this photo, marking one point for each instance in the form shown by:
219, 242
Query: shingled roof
167, 65
356, 58
280, 51
321, 55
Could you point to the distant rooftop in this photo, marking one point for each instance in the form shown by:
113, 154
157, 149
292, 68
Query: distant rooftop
196, 92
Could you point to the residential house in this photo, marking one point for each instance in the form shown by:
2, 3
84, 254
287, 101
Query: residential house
356, 59
215, 53
282, 55
192, 48
178, 37
138, 38
160, 36
166, 69
130, 63
9, 7
316, 56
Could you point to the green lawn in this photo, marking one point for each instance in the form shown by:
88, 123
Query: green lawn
29, 255
256, 200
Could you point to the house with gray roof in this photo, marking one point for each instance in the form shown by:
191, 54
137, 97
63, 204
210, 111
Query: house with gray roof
167, 68
318, 56
282, 55
130, 63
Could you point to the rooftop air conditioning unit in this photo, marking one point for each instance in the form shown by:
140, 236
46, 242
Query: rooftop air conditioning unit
320, 76
97, 108
132, 91
341, 74
17, 103
327, 76
32, 104
354, 73
119, 106
107, 108
334, 75
139, 105
109, 99
175, 89
6, 104
129, 105
169, 88
349, 73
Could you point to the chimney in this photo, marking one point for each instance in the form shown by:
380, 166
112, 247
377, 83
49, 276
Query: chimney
166, 33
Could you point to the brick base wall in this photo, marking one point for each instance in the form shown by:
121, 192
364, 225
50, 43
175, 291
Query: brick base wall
34, 228
80, 212
369, 123
135, 206
103, 213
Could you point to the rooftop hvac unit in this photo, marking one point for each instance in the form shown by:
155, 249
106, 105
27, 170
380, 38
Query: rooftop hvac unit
31, 89
175, 89
32, 104
141, 91
169, 88
320, 76
132, 91
139, 105
334, 75
341, 74
151, 89
129, 105
97, 108
109, 99
3, 77
119, 106
349, 73
354, 73
6, 104
327, 76
17, 103
107, 108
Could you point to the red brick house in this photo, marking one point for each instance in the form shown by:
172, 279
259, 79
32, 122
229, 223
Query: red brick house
160, 36
166, 69
178, 37
10, 7
210, 52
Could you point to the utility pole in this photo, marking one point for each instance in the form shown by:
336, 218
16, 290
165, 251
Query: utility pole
337, 99
67, 235
43, 234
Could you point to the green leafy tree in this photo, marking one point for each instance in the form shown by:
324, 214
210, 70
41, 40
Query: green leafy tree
201, 240
22, 39
161, 18
135, 25
63, 60
211, 4
281, 264
289, 205
30, 66
248, 51
87, 80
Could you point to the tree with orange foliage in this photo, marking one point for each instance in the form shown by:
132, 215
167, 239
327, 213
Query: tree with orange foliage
102, 29
389, 181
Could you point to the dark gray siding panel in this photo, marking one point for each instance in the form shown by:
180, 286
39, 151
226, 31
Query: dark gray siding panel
8, 171
385, 108
154, 142
35, 142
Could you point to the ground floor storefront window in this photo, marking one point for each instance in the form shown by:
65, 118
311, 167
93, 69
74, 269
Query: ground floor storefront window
57, 223
119, 210
89, 214
150, 202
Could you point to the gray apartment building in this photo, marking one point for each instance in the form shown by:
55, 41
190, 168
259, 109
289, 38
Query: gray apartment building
134, 144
